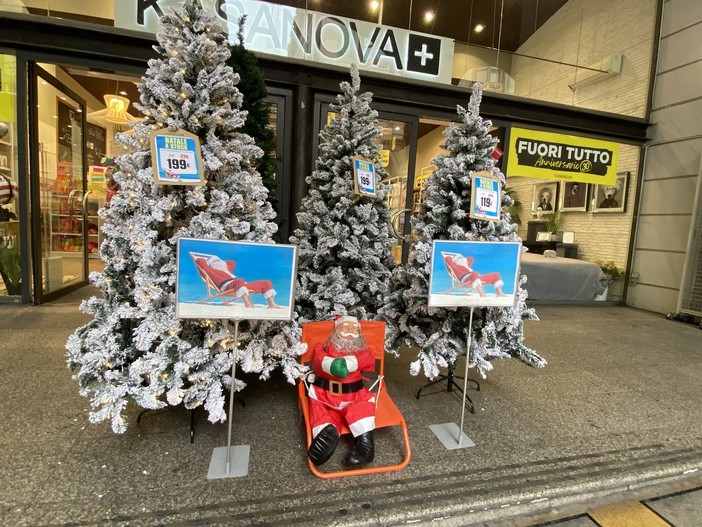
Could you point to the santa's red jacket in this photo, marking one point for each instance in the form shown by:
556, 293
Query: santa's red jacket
357, 409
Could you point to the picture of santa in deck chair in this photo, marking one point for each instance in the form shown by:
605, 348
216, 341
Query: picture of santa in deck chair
466, 278
220, 274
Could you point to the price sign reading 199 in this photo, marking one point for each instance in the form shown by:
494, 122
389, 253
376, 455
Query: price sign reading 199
178, 161
176, 157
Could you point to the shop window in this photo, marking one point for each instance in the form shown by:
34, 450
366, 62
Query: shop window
10, 262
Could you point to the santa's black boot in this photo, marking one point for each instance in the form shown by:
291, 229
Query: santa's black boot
323, 445
363, 450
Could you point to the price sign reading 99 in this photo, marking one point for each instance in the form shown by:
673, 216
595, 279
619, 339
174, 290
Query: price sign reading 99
176, 158
486, 198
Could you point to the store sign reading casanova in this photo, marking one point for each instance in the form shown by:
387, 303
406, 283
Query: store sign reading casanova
309, 35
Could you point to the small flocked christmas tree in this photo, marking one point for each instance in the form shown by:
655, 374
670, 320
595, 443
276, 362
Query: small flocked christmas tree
135, 347
440, 334
344, 240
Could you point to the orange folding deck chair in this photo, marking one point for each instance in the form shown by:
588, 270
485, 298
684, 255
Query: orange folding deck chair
386, 413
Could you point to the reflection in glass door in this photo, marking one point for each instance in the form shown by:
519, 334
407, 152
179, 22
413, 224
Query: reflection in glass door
279, 118
396, 148
11, 263
59, 172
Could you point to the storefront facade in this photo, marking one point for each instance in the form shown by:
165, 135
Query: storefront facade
49, 64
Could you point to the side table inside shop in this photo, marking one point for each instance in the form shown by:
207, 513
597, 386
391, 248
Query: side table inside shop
565, 250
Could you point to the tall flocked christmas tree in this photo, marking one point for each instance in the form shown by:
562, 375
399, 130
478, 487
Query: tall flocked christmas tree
135, 347
344, 240
440, 334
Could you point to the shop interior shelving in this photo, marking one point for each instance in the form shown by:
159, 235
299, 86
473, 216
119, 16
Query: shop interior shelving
67, 219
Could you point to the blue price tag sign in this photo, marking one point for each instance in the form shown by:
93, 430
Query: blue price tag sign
364, 177
485, 197
176, 158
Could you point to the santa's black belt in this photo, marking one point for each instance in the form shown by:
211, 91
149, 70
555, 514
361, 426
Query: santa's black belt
337, 388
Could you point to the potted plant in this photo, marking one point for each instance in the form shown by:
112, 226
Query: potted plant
554, 224
614, 273
612, 270
11, 269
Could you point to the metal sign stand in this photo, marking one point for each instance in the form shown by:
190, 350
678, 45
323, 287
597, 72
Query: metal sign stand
221, 465
451, 436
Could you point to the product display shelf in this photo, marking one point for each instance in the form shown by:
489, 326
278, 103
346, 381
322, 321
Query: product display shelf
420, 182
6, 156
67, 225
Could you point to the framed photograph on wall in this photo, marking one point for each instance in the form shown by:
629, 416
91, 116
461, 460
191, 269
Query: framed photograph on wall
611, 198
544, 196
573, 196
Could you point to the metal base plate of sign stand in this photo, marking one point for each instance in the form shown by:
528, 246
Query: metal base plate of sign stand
448, 435
230, 461
238, 465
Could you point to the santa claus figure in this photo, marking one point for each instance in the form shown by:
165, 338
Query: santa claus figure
338, 396
465, 274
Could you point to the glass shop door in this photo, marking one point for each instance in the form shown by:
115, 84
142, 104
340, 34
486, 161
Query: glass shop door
398, 144
57, 166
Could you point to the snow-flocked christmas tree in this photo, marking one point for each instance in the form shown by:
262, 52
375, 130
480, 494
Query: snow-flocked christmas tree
135, 347
440, 334
344, 240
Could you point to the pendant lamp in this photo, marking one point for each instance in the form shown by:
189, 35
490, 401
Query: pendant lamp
115, 112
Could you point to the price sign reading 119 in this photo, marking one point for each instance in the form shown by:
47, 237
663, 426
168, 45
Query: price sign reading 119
486, 197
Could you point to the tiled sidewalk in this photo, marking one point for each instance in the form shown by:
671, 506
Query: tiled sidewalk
618, 409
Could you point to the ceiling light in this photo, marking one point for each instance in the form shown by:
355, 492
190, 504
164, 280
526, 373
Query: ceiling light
116, 109
429, 16
122, 92
114, 113
375, 5
478, 28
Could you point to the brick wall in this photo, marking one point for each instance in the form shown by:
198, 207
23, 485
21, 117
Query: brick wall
586, 33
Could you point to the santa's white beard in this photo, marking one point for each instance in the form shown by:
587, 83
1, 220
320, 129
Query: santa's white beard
347, 344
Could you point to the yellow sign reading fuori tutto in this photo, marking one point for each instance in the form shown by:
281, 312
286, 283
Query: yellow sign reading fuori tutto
546, 155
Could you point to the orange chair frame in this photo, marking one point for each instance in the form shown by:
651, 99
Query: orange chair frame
386, 413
